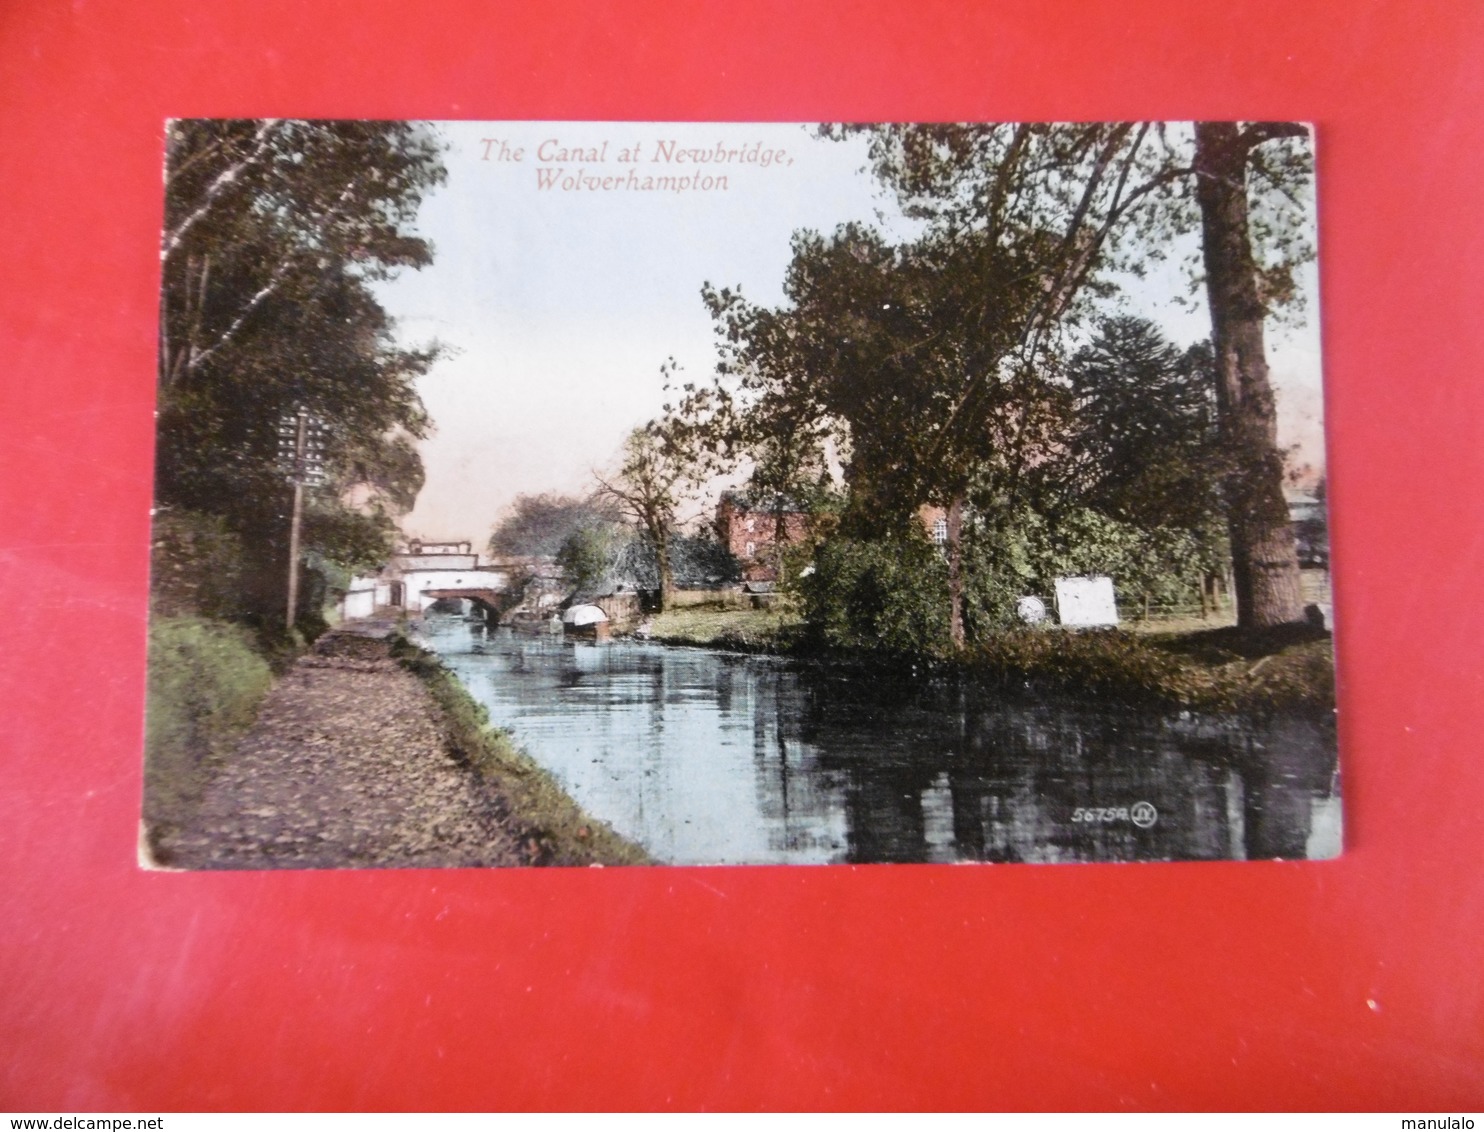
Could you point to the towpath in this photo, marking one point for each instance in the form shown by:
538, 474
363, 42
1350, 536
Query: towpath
346, 766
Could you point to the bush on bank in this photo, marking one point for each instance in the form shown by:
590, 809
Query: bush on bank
886, 600
206, 681
1215, 670
889, 595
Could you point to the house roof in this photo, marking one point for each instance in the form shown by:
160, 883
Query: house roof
407, 562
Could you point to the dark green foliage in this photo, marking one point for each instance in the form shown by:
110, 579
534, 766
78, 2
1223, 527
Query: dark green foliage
206, 680
1160, 561
890, 595
354, 540
540, 525
195, 566
1132, 493
603, 558
1144, 445
274, 231
591, 557
1020, 552
700, 562
913, 349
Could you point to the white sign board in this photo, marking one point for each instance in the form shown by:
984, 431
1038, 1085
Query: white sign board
1086, 602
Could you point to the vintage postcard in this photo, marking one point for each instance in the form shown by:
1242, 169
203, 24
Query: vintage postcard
538, 493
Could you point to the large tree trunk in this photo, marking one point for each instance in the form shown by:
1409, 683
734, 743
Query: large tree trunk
956, 571
1264, 558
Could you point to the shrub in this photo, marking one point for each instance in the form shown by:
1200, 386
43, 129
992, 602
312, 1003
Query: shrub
205, 684
195, 566
1021, 551
889, 594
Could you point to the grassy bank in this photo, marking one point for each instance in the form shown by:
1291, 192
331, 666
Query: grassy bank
1214, 669
206, 680
540, 809
718, 625
1219, 669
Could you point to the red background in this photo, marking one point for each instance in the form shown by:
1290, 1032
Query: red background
1243, 985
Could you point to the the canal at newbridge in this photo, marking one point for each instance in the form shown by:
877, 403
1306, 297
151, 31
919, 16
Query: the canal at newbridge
708, 757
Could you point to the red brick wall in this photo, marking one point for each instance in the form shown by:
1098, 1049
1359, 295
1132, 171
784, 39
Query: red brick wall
733, 528
732, 525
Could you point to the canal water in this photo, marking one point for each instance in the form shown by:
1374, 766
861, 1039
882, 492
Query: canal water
708, 757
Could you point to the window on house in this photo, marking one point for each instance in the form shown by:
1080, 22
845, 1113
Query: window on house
751, 549
940, 531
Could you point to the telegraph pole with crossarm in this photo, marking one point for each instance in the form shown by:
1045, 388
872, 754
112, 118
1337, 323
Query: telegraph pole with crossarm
301, 455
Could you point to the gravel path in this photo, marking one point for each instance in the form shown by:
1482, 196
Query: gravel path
345, 767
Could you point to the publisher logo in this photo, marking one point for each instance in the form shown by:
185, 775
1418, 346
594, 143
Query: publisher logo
1143, 814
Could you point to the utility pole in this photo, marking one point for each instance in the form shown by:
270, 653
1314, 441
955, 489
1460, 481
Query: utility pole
301, 431
301, 454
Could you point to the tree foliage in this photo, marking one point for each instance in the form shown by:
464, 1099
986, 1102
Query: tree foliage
275, 232
888, 593
591, 557
1143, 443
613, 556
946, 365
658, 463
540, 525
935, 357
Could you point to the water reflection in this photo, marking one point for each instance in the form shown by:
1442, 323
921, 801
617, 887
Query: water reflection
708, 757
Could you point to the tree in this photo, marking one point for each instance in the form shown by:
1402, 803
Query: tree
1264, 559
274, 233
926, 385
540, 525
1143, 444
589, 555
889, 593
659, 461
260, 209
1119, 192
937, 355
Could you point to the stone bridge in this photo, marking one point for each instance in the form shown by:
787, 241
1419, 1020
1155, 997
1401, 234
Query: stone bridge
493, 602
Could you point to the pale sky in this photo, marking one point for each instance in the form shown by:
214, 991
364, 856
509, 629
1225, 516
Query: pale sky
559, 306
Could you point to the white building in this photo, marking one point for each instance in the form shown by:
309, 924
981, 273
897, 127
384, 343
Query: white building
421, 573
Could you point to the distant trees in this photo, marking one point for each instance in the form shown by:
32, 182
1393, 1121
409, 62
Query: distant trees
657, 464
591, 555
274, 232
1143, 443
540, 525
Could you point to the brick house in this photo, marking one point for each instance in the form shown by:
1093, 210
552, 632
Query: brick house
749, 529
